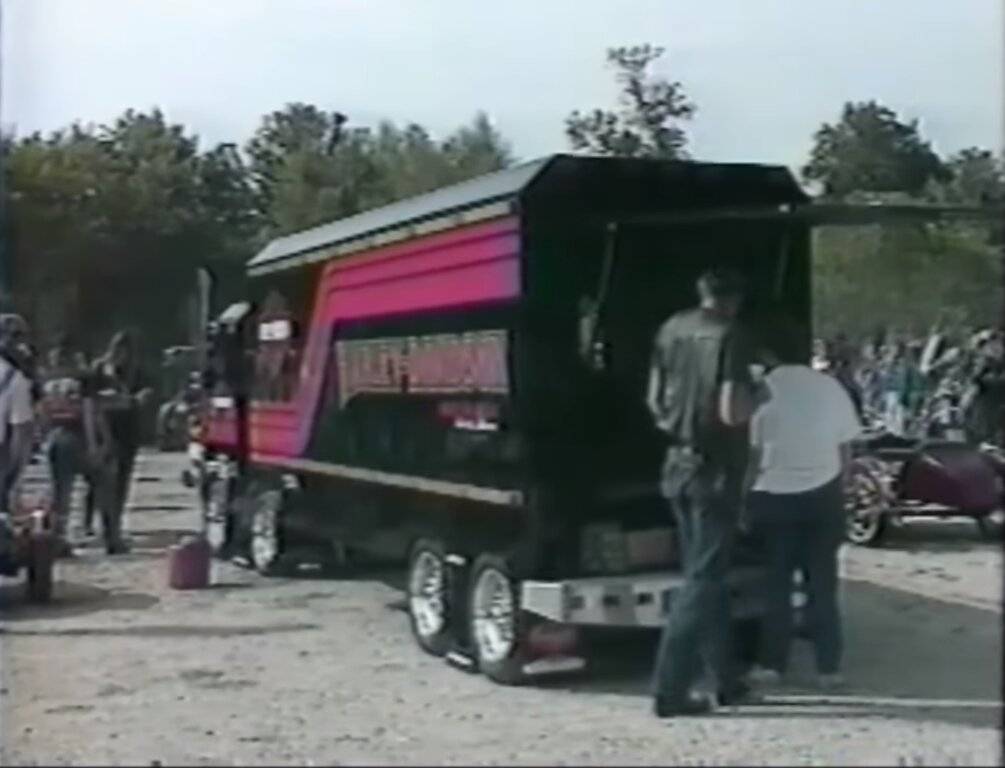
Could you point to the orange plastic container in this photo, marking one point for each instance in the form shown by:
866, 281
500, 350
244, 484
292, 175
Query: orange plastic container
189, 563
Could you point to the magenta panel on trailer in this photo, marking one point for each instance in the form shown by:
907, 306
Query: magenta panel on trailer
477, 264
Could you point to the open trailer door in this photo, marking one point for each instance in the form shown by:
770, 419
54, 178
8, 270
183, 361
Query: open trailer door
811, 215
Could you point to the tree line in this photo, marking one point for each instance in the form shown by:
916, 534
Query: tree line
105, 225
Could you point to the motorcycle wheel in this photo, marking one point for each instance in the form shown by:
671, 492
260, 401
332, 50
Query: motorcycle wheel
865, 507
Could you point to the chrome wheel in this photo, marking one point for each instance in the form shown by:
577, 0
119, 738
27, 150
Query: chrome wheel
494, 615
265, 530
427, 586
865, 506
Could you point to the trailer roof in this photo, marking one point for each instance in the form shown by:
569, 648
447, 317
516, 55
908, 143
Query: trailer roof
558, 182
501, 186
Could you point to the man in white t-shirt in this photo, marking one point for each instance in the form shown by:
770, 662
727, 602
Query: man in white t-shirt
800, 442
16, 409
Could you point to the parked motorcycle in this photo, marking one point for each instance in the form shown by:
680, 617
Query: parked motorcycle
175, 416
893, 478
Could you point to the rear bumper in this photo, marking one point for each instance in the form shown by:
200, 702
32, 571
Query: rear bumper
637, 600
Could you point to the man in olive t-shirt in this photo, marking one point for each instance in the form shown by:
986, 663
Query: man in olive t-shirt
701, 397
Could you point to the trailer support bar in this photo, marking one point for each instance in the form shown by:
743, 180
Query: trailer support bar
499, 497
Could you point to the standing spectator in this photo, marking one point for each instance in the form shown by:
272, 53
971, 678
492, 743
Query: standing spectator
116, 391
843, 369
986, 413
16, 407
894, 385
867, 377
914, 388
62, 408
796, 476
700, 396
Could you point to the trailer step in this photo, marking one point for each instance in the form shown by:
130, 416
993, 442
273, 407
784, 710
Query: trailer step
639, 600
552, 665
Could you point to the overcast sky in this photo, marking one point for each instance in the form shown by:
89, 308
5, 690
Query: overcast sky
764, 73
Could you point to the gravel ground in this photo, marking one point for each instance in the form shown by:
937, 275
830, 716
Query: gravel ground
121, 670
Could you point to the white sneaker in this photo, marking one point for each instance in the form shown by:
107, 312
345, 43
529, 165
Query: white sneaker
763, 676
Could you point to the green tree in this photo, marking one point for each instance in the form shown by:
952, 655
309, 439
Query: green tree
109, 224
870, 150
647, 121
907, 277
974, 177
106, 225
476, 149
310, 167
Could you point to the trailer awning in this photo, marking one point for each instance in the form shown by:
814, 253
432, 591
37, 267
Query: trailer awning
820, 214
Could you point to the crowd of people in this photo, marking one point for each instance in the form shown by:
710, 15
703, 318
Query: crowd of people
84, 416
934, 387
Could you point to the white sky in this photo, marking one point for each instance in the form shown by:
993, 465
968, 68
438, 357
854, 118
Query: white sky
764, 73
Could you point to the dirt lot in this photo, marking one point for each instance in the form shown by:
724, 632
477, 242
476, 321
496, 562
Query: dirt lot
121, 670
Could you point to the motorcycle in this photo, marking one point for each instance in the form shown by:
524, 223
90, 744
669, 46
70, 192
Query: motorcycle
893, 478
175, 416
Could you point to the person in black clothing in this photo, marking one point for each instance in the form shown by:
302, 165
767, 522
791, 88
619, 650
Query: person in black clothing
116, 390
701, 396
62, 408
17, 384
987, 409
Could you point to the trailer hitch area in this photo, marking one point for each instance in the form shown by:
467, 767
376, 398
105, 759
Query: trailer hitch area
550, 638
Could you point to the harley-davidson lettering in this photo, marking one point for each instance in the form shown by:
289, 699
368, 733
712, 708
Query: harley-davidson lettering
449, 363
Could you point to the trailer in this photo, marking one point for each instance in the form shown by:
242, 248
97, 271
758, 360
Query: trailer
456, 381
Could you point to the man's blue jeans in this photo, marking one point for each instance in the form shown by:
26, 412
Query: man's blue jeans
801, 531
66, 453
698, 630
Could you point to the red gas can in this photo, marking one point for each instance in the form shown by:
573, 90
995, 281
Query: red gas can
188, 563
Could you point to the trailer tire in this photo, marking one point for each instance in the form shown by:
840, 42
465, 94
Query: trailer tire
498, 627
40, 568
428, 596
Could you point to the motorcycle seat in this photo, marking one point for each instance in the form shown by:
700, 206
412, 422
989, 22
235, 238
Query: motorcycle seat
886, 442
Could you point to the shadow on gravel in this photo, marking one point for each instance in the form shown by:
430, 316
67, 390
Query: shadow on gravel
70, 600
907, 657
958, 534
160, 631
159, 538
389, 573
